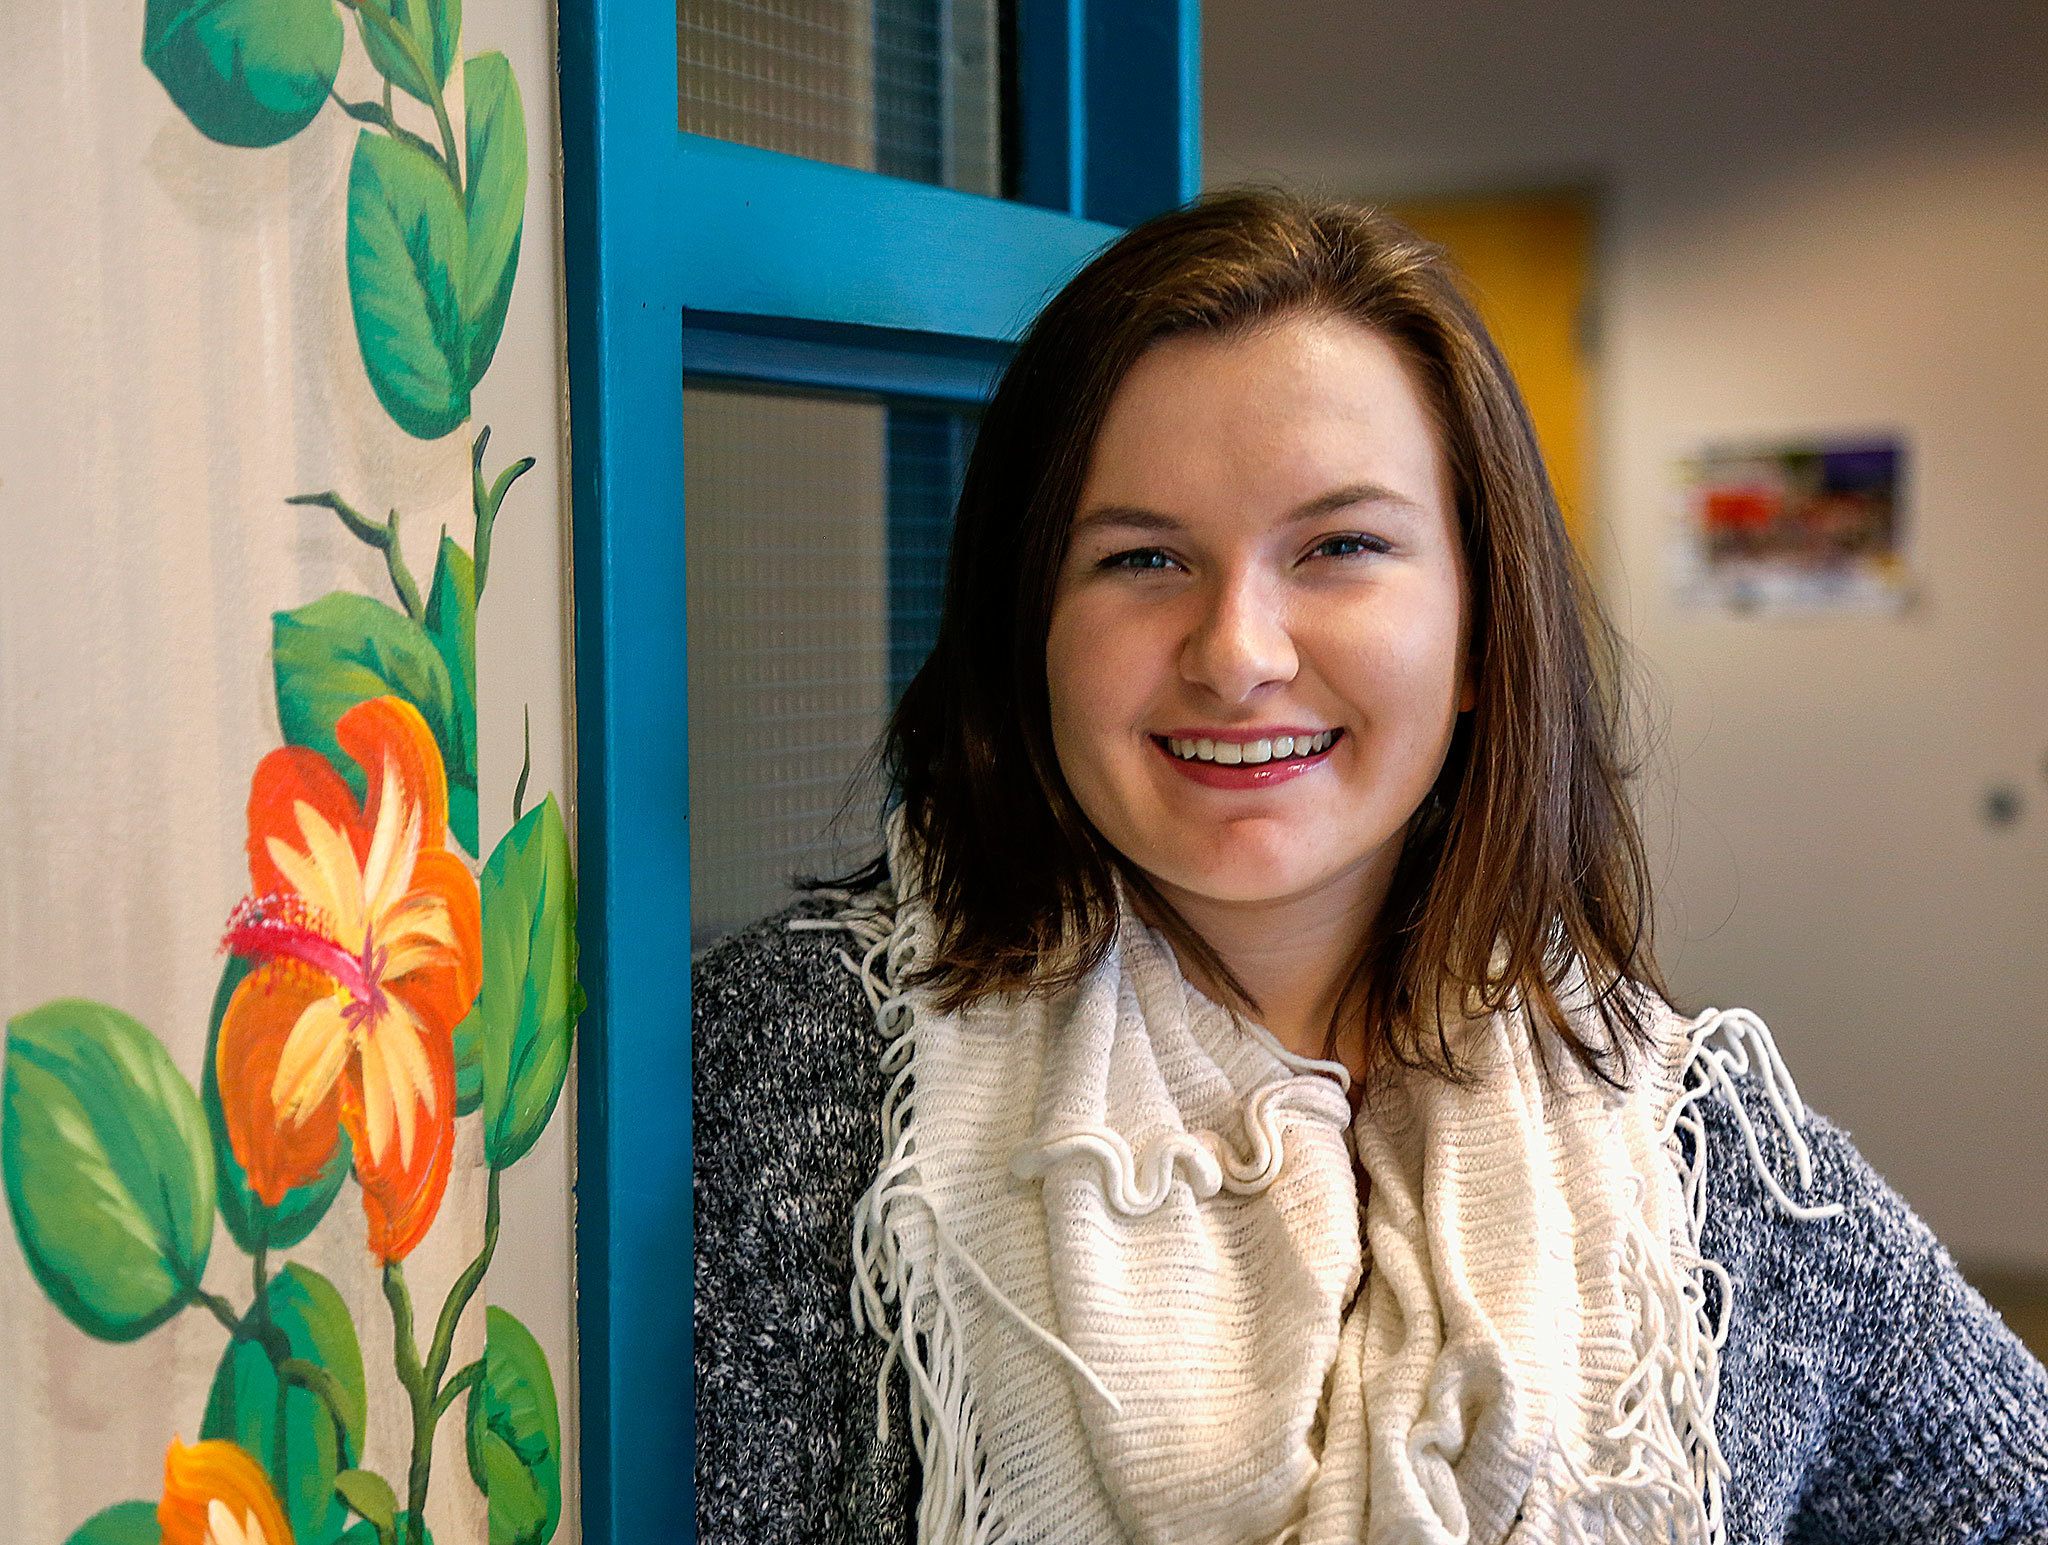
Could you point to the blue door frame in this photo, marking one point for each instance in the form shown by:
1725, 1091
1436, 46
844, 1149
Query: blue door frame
692, 256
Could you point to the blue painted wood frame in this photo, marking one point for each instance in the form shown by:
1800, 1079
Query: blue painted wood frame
686, 253
830, 357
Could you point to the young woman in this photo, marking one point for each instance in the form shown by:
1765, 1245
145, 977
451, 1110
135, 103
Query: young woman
1241, 1104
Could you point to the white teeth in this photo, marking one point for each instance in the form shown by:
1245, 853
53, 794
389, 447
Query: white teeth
1233, 753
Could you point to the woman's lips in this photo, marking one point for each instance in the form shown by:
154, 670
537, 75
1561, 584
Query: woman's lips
1260, 775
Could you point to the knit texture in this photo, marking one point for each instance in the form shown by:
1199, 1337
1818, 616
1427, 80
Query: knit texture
1162, 1333
1867, 1392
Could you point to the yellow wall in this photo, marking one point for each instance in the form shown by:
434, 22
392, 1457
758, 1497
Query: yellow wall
1528, 258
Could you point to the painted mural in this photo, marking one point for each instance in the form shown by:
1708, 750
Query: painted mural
382, 979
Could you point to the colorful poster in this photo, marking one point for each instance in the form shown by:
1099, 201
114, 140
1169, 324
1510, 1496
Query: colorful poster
1794, 526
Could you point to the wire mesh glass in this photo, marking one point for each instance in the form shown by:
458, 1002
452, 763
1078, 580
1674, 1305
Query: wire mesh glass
910, 88
816, 536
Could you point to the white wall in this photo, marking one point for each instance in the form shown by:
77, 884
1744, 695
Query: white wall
1814, 218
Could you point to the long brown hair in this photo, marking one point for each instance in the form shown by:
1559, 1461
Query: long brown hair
1527, 842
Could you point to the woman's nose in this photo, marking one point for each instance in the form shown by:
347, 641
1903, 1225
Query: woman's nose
1239, 640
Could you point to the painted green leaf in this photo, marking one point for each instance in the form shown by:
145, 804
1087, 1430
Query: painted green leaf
445, 18
108, 1172
345, 649
369, 1494
365, 1533
245, 72
514, 1434
451, 625
253, 1225
469, 1059
430, 30
496, 198
407, 249
306, 1454
530, 995
125, 1523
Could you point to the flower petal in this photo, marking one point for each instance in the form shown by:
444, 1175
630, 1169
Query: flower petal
278, 1153
391, 1086
436, 941
313, 1057
407, 1074
285, 779
338, 871
217, 1479
394, 848
389, 734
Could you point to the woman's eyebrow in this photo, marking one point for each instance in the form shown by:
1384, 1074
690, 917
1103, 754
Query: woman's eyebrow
1137, 517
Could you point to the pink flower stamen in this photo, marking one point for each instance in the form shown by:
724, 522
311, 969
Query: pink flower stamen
282, 927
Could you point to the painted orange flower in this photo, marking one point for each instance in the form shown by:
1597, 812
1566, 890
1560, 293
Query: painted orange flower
216, 1494
366, 934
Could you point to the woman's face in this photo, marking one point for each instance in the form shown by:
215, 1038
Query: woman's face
1258, 643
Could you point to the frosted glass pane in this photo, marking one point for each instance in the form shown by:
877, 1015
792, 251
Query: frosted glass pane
910, 88
816, 540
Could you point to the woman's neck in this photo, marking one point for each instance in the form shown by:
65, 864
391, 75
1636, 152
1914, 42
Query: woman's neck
1293, 955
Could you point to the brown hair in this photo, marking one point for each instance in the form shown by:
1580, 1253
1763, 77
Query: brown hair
1527, 839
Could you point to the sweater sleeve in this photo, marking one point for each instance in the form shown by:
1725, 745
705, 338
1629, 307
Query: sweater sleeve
1890, 1398
785, 1134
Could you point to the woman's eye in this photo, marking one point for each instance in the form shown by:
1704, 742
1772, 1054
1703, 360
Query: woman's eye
1139, 560
1351, 544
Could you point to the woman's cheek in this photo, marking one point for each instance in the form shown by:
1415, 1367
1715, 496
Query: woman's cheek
1399, 658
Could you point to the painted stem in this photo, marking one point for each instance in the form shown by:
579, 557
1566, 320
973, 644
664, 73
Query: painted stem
406, 1355
479, 496
458, 1381
221, 1310
464, 1289
382, 535
380, 117
401, 38
241, 1327
486, 500
422, 1380
525, 767
325, 1387
278, 1350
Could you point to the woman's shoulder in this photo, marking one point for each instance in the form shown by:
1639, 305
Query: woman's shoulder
784, 988
1854, 1342
1795, 1205
787, 1095
1757, 1131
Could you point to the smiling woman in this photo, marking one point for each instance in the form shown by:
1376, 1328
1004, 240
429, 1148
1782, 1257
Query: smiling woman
1271, 1124
1312, 593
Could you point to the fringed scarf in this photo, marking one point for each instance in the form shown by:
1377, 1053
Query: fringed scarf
1117, 1244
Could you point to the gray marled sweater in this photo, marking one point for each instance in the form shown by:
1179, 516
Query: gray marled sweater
1868, 1393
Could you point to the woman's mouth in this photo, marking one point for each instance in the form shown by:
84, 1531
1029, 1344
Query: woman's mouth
1237, 762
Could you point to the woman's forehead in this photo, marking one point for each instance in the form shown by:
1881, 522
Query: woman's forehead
1275, 417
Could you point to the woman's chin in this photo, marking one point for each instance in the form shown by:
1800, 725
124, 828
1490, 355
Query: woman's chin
1241, 884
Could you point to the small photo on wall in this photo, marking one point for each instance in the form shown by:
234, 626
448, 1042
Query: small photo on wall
1795, 526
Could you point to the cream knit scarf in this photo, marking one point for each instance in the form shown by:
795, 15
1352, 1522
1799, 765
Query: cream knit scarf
1116, 1243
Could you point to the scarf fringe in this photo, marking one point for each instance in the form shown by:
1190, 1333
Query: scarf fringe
1662, 1416
924, 1335
1680, 1336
